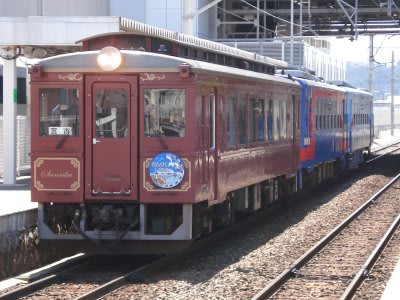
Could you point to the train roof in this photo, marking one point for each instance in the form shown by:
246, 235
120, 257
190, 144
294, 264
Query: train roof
170, 39
312, 82
139, 61
306, 78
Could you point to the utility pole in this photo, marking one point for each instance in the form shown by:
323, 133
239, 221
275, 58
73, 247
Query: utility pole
189, 15
291, 30
371, 64
9, 120
392, 104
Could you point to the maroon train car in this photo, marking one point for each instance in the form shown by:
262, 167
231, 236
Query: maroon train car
144, 147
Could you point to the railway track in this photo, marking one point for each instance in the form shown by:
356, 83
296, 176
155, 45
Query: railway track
384, 151
336, 266
89, 279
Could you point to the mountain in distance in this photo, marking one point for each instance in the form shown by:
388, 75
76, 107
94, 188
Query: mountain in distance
357, 75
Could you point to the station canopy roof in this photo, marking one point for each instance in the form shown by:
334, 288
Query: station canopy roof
39, 37
320, 17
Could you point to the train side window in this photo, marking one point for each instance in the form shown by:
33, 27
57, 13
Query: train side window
164, 112
242, 121
277, 123
230, 112
318, 116
59, 111
212, 122
183, 51
289, 117
270, 120
160, 46
282, 119
260, 120
251, 116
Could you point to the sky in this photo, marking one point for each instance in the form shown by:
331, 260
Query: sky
358, 50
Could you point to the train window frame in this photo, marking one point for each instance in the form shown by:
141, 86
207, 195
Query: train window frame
150, 112
183, 51
231, 127
161, 46
275, 122
242, 120
289, 117
261, 121
67, 105
282, 118
212, 120
111, 102
251, 119
269, 117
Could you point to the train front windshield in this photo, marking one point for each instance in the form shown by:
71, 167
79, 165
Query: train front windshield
164, 112
59, 111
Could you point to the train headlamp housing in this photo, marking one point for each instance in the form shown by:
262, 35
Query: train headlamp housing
109, 58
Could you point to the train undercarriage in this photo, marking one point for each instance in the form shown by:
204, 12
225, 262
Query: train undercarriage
118, 222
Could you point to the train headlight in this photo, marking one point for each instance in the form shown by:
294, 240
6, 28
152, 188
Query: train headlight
109, 58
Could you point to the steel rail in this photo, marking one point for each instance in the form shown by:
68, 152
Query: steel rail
30, 288
381, 149
118, 282
387, 146
282, 278
370, 262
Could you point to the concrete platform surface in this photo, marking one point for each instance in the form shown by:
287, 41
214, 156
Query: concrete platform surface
392, 290
16, 197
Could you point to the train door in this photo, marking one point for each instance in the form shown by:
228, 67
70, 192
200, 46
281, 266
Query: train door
111, 164
208, 144
347, 112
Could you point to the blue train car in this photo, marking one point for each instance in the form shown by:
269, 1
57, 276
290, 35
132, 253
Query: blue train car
336, 128
358, 125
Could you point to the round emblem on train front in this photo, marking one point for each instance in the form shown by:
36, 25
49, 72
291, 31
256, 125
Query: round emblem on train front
166, 170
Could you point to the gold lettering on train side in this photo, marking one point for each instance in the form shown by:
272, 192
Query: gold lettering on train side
56, 174
71, 77
205, 90
182, 187
51, 173
151, 77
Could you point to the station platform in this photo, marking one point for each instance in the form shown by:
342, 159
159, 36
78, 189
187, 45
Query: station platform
392, 290
16, 209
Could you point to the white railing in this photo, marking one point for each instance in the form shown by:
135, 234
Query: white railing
23, 147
